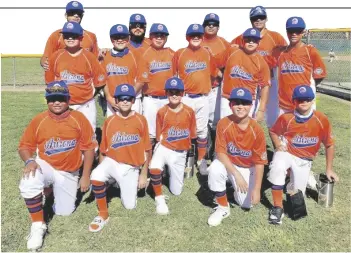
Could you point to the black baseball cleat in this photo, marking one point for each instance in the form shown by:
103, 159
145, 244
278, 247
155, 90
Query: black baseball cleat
276, 215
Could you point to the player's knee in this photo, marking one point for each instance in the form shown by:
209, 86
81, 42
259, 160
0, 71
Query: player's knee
129, 205
217, 176
96, 175
277, 172
31, 187
176, 190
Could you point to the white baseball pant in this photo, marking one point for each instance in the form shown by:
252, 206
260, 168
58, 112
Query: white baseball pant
218, 175
137, 106
175, 160
89, 111
300, 169
226, 110
126, 176
214, 100
150, 108
200, 105
65, 185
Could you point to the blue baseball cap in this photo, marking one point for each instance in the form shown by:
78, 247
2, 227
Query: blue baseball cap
72, 27
295, 23
124, 90
57, 88
195, 29
137, 18
252, 33
241, 93
211, 17
258, 11
174, 83
159, 28
303, 92
119, 30
74, 6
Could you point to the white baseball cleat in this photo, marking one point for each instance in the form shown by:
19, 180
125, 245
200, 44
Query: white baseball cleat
161, 206
218, 215
97, 224
202, 165
36, 236
312, 182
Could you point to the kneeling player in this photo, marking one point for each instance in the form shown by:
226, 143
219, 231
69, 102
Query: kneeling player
241, 155
175, 127
297, 136
125, 155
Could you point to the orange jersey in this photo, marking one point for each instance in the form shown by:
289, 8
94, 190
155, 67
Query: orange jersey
269, 41
126, 139
81, 73
296, 67
59, 141
243, 70
244, 148
216, 46
55, 42
139, 50
154, 68
304, 139
176, 129
195, 68
120, 70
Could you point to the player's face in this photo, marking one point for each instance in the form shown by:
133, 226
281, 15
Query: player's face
57, 104
120, 42
137, 29
303, 106
71, 40
74, 16
125, 103
251, 44
158, 39
240, 108
195, 40
259, 22
295, 35
211, 28
174, 96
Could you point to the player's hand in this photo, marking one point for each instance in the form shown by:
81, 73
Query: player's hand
282, 148
112, 102
240, 183
255, 196
31, 167
331, 175
45, 64
102, 53
259, 116
84, 183
142, 180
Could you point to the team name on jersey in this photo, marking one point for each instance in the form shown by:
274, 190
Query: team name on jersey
175, 134
159, 66
290, 68
237, 72
71, 78
234, 151
114, 70
263, 53
123, 139
53, 147
302, 141
193, 66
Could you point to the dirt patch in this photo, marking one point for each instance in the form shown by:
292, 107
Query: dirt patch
339, 58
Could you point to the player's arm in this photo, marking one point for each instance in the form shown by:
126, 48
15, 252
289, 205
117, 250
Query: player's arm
99, 75
50, 73
148, 155
264, 83
275, 132
319, 68
142, 74
175, 61
50, 48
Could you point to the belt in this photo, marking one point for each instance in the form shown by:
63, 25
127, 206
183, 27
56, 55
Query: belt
178, 151
194, 95
157, 97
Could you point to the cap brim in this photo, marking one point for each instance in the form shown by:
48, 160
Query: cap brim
56, 94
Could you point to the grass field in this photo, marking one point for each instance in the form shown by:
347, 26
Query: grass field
185, 229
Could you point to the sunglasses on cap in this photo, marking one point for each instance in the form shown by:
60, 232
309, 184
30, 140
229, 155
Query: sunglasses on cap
73, 13
57, 98
261, 17
174, 92
73, 36
125, 98
137, 25
211, 23
119, 37
56, 89
240, 102
296, 31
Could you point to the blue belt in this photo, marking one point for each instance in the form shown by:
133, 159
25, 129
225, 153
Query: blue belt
157, 97
179, 151
194, 95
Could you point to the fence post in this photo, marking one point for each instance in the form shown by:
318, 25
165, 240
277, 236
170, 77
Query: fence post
14, 72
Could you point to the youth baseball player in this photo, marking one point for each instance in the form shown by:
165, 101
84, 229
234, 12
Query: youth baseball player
120, 65
125, 153
245, 67
74, 13
298, 136
155, 67
137, 30
197, 68
175, 128
59, 137
269, 41
80, 69
331, 55
240, 156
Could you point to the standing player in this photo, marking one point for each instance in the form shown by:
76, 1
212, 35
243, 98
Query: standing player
298, 136
59, 136
197, 68
80, 69
245, 67
175, 128
154, 68
137, 29
74, 13
241, 156
125, 153
331, 55
120, 64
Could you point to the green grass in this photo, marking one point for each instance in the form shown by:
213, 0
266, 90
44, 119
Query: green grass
185, 229
338, 71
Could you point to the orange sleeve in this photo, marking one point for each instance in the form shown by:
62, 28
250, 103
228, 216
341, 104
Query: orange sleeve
319, 69
193, 133
28, 140
143, 71
226, 43
279, 127
328, 138
103, 144
265, 75
213, 66
222, 58
237, 40
99, 73
146, 136
50, 74
259, 154
175, 62
220, 140
174, 72
159, 120
88, 138
280, 40
51, 44
95, 49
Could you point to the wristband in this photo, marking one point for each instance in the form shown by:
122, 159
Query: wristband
29, 161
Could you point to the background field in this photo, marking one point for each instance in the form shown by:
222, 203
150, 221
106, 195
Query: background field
185, 229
